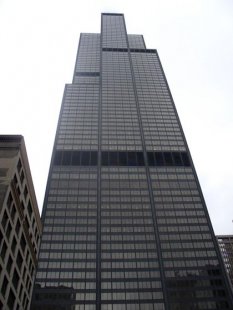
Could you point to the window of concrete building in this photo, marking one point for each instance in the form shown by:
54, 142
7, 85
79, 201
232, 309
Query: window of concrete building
11, 299
19, 260
24, 273
4, 286
22, 177
3, 250
13, 213
17, 227
20, 291
18, 190
22, 206
19, 166
1, 238
4, 220
25, 192
8, 231
9, 264
9, 200
13, 245
15, 279
23, 243
29, 207
15, 180
27, 223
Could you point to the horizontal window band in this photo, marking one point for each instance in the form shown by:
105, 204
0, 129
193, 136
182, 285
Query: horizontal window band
132, 50
168, 159
142, 50
121, 158
113, 14
87, 73
109, 49
76, 158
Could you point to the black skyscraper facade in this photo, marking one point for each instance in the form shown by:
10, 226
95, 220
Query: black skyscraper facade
125, 225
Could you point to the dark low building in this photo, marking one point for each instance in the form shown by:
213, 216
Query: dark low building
20, 225
226, 247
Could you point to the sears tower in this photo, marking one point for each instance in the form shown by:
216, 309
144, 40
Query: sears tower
125, 225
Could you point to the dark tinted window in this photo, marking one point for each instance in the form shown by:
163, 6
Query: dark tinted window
122, 159
185, 159
159, 159
113, 158
177, 158
85, 158
76, 158
94, 159
87, 73
104, 158
66, 158
132, 161
151, 158
140, 159
168, 159
58, 158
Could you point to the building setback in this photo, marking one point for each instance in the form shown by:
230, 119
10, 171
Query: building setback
20, 225
125, 225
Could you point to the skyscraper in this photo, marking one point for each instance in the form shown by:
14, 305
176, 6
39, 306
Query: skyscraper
125, 222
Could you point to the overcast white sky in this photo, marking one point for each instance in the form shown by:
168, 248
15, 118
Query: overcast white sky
38, 45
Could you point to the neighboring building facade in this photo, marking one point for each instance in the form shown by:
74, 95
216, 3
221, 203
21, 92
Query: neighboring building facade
226, 247
20, 225
125, 225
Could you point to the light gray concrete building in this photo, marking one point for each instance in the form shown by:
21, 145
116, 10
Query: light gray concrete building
20, 225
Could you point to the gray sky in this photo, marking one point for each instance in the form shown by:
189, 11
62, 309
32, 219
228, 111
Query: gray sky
194, 39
